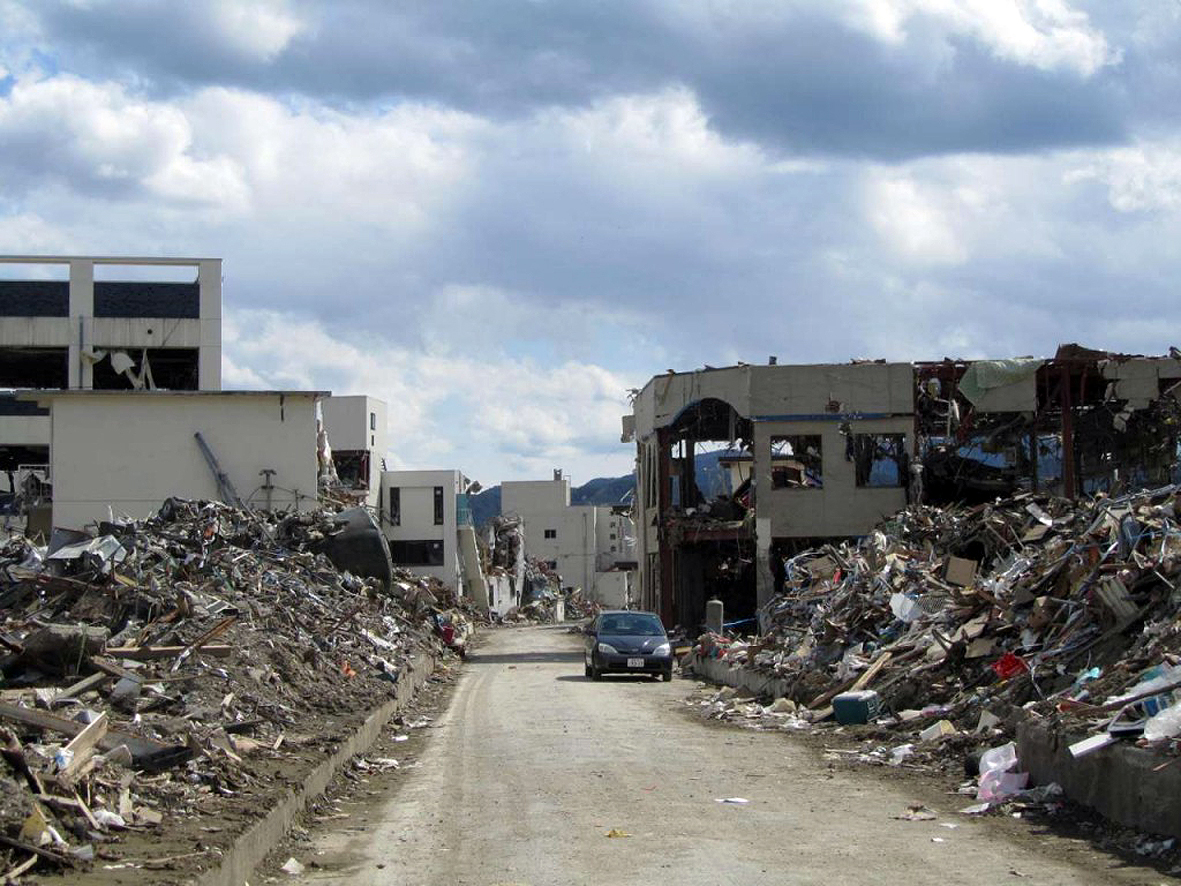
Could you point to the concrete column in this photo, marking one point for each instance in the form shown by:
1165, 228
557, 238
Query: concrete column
714, 615
81, 312
764, 578
209, 356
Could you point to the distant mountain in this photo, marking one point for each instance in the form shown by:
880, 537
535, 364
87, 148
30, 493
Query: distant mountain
605, 491
485, 505
711, 478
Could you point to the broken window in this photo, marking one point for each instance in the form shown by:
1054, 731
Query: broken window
352, 467
438, 505
879, 460
169, 369
417, 553
395, 506
34, 367
797, 462
551, 533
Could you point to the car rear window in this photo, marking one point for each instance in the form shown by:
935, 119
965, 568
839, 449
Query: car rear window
631, 625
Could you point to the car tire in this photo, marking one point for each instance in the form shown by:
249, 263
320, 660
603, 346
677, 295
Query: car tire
595, 673
667, 676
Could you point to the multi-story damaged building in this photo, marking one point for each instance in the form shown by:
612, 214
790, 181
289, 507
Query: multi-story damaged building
63, 329
819, 452
111, 400
356, 428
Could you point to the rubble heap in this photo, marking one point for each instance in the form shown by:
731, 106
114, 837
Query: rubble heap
183, 666
967, 619
542, 593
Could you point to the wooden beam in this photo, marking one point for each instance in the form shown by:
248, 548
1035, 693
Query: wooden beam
57, 857
83, 745
203, 641
148, 653
139, 746
81, 686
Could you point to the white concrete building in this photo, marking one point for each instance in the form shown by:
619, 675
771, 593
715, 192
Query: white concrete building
64, 325
591, 546
356, 428
122, 453
422, 514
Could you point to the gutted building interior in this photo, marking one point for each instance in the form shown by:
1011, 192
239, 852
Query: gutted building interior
818, 453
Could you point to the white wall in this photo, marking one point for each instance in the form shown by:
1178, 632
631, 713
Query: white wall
534, 496
24, 430
613, 589
503, 593
841, 507
417, 509
131, 450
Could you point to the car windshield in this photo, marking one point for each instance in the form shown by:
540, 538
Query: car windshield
631, 626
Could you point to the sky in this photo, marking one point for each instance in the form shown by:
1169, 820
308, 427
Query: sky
500, 217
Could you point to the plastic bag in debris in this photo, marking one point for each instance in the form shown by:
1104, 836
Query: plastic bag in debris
1164, 724
997, 782
905, 608
1000, 759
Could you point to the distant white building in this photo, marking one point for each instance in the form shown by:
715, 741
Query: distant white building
356, 428
426, 518
591, 546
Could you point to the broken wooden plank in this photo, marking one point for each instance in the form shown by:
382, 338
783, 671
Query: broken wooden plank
148, 653
873, 670
84, 685
11, 875
47, 854
111, 669
82, 746
144, 751
203, 641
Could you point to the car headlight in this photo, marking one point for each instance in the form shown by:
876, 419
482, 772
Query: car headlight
607, 649
662, 649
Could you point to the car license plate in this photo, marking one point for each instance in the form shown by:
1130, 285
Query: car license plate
635, 662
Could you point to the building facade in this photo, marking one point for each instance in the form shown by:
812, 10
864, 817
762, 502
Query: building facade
591, 546
356, 427
122, 453
421, 515
61, 328
822, 452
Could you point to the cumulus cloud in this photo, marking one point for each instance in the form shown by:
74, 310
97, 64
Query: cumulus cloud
1141, 178
1045, 34
484, 414
259, 29
920, 76
917, 223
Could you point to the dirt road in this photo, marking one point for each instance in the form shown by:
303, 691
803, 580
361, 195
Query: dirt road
532, 765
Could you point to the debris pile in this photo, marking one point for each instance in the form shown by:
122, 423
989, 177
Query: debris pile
180, 666
960, 621
542, 601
